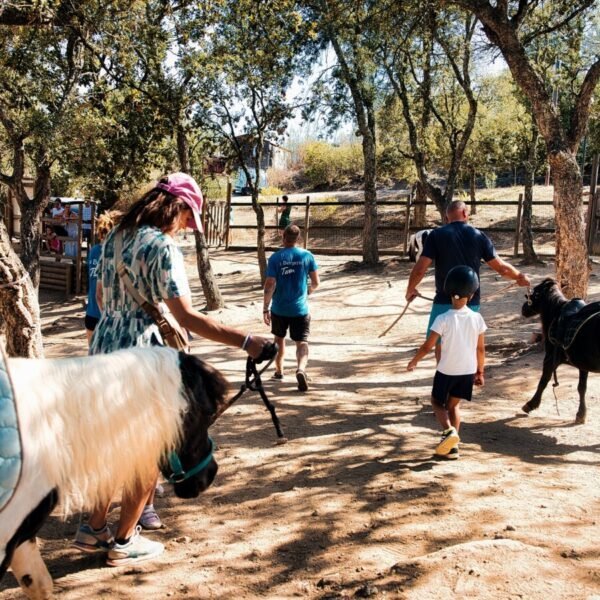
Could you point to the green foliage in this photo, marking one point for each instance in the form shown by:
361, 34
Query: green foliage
323, 213
214, 188
270, 192
325, 165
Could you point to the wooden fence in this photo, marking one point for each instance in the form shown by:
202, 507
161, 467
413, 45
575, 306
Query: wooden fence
336, 227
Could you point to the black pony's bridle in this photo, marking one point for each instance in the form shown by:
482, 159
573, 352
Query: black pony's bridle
529, 296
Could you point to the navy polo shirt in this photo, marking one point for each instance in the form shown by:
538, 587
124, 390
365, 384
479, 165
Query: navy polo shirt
456, 244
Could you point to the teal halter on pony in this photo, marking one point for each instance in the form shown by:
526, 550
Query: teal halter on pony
179, 474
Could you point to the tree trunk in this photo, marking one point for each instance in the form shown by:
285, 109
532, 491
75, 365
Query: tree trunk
365, 117
258, 209
530, 256
420, 206
32, 212
260, 237
572, 263
472, 175
370, 243
19, 307
208, 281
212, 294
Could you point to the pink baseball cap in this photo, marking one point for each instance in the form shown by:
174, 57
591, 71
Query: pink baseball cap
184, 187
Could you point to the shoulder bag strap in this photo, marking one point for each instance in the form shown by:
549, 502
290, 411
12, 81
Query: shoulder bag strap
148, 307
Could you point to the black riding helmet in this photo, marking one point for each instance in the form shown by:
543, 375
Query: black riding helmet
461, 282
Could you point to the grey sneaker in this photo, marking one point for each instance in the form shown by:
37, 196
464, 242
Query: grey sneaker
150, 519
302, 380
137, 549
449, 440
89, 540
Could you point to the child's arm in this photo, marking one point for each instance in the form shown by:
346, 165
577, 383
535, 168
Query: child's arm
424, 350
479, 378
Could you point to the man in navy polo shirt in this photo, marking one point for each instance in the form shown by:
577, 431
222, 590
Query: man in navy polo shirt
454, 244
288, 271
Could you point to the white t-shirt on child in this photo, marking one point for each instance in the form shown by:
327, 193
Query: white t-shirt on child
460, 330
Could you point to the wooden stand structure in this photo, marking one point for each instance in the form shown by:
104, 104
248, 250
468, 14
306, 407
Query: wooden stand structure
56, 275
66, 274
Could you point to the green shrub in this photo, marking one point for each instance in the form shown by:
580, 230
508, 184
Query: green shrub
322, 213
328, 165
270, 192
215, 188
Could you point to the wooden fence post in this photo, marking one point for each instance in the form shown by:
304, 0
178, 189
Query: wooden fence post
306, 221
228, 213
518, 228
407, 223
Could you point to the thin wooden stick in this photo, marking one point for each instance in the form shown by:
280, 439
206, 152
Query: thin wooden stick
396, 320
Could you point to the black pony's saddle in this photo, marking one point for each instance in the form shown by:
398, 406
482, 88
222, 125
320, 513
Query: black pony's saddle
573, 315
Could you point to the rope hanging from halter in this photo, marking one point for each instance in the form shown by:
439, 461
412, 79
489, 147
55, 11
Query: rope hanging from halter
253, 382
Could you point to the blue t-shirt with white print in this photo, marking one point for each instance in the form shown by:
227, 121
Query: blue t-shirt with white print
92, 309
291, 267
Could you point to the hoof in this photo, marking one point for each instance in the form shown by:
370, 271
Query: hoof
282, 440
526, 408
579, 419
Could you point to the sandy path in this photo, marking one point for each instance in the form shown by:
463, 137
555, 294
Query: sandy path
354, 504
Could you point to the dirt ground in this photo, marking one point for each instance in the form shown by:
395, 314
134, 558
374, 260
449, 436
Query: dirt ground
354, 505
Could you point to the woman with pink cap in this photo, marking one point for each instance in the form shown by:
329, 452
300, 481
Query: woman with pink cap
155, 264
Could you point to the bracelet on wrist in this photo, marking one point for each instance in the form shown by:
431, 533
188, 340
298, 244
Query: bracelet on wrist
246, 341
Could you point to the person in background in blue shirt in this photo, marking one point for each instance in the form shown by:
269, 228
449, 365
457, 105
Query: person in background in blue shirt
288, 271
454, 244
105, 223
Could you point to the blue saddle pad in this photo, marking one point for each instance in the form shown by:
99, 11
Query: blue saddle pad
10, 440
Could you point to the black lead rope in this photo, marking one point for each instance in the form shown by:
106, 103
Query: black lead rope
253, 383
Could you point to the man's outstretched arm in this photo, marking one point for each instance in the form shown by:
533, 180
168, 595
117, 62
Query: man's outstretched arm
505, 269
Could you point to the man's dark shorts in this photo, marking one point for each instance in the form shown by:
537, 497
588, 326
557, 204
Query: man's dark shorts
457, 386
299, 327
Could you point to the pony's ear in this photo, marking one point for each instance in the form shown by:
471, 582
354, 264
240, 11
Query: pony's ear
206, 384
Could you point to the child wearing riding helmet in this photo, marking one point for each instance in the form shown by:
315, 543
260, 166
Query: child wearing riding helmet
462, 356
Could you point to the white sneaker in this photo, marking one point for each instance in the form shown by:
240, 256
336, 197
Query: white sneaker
449, 440
137, 549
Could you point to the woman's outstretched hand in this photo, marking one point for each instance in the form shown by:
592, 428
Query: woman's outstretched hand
261, 348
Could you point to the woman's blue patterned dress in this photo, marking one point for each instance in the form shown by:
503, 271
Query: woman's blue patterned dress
156, 267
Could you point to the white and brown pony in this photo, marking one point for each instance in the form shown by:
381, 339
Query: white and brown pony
416, 244
91, 425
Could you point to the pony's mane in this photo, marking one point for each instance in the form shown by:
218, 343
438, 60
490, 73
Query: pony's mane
554, 298
96, 423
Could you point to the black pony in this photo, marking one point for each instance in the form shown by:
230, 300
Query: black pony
571, 336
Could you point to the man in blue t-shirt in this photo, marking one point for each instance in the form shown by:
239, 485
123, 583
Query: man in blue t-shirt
288, 271
454, 244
